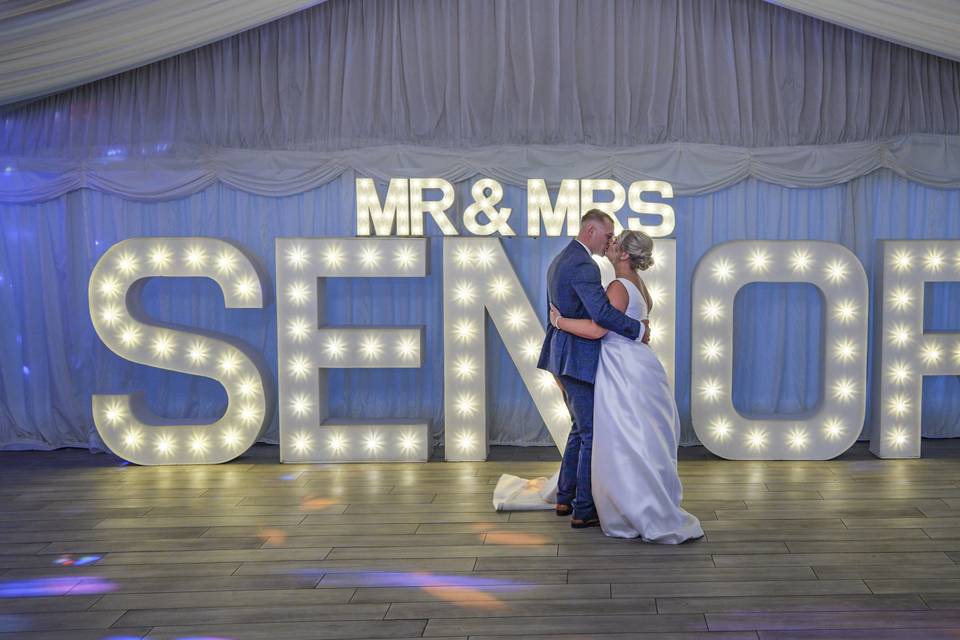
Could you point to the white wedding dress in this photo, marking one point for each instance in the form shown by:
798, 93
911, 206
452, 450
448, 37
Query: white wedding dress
635, 430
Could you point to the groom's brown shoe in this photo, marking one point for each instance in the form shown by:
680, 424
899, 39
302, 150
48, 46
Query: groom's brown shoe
576, 523
563, 510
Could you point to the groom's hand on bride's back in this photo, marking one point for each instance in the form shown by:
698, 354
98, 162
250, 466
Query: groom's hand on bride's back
645, 338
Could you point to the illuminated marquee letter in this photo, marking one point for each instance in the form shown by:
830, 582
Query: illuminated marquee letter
478, 278
566, 211
486, 204
436, 208
306, 349
587, 201
906, 352
395, 209
841, 279
123, 421
668, 218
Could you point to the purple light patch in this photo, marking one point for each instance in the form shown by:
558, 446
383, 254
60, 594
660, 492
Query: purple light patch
40, 587
85, 560
26, 370
90, 585
417, 579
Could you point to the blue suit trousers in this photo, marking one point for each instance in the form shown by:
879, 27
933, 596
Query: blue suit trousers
574, 486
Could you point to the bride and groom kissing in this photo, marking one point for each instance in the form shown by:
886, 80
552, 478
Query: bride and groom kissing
619, 467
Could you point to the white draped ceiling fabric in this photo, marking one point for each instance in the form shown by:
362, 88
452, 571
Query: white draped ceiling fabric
769, 122
928, 25
51, 45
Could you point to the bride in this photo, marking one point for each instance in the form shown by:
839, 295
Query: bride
636, 488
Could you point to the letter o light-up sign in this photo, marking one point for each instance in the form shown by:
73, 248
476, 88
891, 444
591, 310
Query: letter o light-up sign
907, 353
127, 427
840, 277
306, 349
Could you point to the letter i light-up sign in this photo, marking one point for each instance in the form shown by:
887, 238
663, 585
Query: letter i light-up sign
307, 349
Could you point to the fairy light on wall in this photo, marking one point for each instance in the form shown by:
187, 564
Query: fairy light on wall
906, 352
496, 291
307, 349
840, 277
127, 427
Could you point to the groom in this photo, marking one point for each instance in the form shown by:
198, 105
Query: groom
573, 286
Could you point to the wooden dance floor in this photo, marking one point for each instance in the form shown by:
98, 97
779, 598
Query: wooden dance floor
94, 549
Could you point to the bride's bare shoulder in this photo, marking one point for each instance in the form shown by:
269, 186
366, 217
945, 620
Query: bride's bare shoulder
617, 293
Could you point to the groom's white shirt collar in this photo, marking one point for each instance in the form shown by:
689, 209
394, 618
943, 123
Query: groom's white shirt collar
589, 253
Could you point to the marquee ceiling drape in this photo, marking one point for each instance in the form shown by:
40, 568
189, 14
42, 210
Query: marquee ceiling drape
927, 25
52, 45
697, 92
356, 73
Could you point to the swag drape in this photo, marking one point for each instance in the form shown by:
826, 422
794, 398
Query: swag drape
692, 169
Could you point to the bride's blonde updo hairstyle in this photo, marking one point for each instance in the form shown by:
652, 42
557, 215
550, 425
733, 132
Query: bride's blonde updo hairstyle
639, 247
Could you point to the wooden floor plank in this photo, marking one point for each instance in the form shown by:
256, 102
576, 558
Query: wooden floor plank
561, 624
493, 607
793, 602
338, 630
252, 614
225, 598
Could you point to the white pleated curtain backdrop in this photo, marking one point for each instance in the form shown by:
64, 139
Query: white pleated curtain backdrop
770, 124
52, 360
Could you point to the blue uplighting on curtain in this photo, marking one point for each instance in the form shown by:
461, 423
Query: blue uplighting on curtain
53, 361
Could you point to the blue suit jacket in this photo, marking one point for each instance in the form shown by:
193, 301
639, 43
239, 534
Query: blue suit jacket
573, 287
